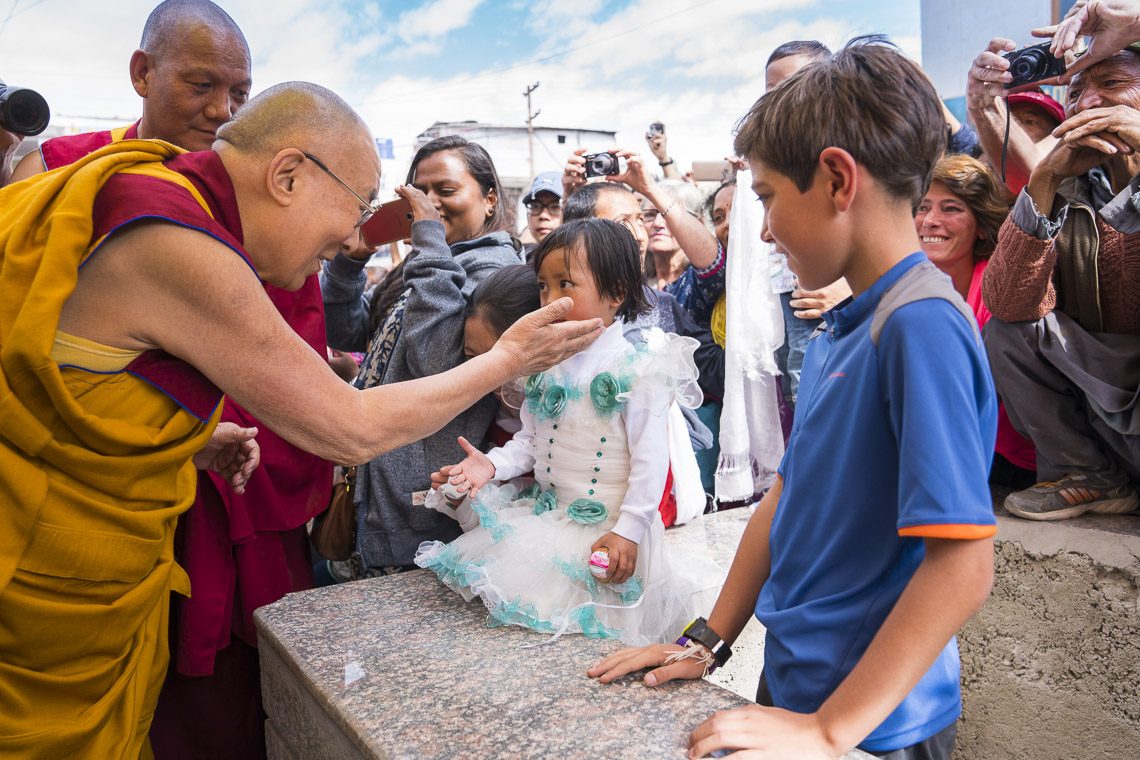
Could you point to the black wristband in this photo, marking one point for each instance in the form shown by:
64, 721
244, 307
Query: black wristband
663, 164
700, 632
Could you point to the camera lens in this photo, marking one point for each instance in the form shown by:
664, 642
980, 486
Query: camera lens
1030, 65
23, 111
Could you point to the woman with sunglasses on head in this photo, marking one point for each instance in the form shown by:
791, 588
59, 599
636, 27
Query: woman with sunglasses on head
411, 325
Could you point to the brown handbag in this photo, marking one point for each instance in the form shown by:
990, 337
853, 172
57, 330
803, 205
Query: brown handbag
334, 530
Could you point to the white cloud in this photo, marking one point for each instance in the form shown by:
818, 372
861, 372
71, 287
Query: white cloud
697, 70
435, 19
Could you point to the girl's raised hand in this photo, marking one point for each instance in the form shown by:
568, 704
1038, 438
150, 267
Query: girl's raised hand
474, 472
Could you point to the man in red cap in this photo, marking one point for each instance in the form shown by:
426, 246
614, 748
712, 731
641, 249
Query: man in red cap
1035, 116
1036, 113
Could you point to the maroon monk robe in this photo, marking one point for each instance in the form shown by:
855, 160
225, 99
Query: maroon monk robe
67, 149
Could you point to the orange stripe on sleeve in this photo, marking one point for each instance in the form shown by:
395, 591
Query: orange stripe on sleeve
964, 532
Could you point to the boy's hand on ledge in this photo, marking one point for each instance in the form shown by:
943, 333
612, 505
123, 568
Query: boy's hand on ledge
626, 661
762, 732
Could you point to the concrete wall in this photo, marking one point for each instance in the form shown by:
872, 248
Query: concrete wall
955, 31
1051, 665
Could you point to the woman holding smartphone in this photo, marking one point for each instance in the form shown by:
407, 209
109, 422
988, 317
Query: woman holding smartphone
411, 325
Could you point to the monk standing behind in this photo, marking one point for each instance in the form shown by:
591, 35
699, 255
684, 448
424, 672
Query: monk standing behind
241, 550
110, 377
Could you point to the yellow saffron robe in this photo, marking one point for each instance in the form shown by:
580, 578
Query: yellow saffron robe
95, 467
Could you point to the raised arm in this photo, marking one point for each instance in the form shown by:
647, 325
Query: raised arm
201, 302
1110, 25
691, 233
986, 105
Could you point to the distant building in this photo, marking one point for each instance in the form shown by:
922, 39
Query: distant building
509, 147
955, 31
66, 125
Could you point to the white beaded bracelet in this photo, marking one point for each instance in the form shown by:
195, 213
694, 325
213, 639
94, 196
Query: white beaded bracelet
694, 651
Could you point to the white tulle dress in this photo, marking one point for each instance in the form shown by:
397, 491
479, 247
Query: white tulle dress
595, 434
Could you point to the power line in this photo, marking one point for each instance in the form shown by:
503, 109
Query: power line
551, 57
27, 8
11, 12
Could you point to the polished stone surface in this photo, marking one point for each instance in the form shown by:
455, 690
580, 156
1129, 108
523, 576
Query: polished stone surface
401, 667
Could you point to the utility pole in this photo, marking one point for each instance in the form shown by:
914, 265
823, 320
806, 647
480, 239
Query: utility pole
530, 117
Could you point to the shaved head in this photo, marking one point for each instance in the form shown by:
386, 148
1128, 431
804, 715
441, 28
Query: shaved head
192, 71
167, 24
285, 114
305, 171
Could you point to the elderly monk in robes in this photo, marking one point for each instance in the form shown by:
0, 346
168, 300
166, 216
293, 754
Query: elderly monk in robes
192, 71
132, 301
241, 550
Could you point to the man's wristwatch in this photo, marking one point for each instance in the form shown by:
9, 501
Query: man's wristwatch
700, 632
666, 162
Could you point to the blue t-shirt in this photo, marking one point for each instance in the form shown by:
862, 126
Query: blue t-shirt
891, 444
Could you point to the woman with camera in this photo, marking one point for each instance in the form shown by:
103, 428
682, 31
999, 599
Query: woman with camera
411, 325
675, 229
958, 222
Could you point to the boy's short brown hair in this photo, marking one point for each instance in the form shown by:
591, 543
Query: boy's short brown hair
868, 99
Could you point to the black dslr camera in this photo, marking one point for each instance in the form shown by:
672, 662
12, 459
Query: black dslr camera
22, 111
1032, 64
602, 165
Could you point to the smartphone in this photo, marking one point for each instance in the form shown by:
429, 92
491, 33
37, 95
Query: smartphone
391, 222
710, 171
655, 129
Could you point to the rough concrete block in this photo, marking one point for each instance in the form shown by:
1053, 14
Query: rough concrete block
1051, 665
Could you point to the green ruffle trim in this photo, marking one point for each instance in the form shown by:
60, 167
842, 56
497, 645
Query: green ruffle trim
629, 592
453, 571
592, 628
579, 572
515, 612
489, 521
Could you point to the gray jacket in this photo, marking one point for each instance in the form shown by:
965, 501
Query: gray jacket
439, 281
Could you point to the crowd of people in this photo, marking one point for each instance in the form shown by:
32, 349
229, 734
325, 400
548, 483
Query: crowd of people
957, 307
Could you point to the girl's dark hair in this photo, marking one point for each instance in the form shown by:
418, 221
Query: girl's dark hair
482, 168
583, 202
612, 256
710, 202
507, 295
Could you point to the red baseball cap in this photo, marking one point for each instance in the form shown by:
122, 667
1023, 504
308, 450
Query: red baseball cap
1039, 99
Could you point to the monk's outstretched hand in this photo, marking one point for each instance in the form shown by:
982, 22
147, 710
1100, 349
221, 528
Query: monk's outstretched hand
542, 339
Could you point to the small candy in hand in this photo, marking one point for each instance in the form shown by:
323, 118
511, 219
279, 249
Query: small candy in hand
600, 563
451, 492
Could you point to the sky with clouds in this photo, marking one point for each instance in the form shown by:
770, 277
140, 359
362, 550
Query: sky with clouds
615, 65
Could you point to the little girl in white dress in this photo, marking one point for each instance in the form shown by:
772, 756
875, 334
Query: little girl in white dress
594, 433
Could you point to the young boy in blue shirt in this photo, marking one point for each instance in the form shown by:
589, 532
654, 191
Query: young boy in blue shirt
874, 545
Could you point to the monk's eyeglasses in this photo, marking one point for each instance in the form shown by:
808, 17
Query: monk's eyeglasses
367, 208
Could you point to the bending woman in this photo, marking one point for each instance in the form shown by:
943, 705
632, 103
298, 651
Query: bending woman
412, 326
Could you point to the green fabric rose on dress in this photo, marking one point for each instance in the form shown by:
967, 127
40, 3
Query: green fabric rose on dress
587, 511
604, 391
535, 385
545, 502
553, 401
